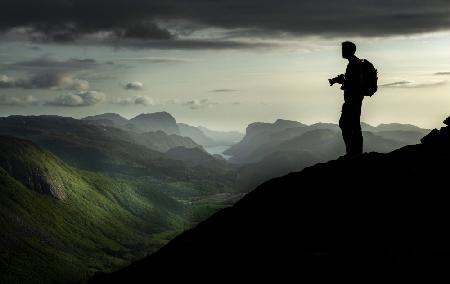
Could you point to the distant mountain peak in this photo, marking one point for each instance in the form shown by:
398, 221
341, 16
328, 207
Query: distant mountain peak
156, 121
161, 114
116, 119
279, 124
286, 122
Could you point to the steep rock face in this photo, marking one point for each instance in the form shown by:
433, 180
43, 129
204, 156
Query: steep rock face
156, 121
378, 218
20, 159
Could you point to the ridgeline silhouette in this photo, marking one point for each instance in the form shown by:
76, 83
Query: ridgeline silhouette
376, 218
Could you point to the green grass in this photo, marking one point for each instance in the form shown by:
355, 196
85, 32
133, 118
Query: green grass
102, 223
89, 230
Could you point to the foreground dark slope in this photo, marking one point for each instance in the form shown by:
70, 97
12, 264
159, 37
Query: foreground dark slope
378, 218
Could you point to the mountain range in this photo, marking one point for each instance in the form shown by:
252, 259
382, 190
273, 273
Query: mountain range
126, 188
377, 218
165, 122
270, 150
265, 138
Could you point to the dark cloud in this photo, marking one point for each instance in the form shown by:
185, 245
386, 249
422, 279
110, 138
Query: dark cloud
54, 80
47, 73
144, 30
46, 62
146, 101
155, 59
170, 21
46, 79
191, 44
134, 86
412, 84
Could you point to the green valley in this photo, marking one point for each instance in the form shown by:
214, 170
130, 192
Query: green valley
61, 224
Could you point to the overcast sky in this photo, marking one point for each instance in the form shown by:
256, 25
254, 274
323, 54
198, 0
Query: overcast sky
222, 64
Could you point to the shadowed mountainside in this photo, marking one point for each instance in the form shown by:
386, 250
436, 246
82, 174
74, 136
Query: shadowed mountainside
374, 219
322, 140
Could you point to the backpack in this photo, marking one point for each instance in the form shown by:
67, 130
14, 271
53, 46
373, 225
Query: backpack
369, 78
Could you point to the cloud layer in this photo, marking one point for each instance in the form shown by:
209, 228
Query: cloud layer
223, 90
198, 104
87, 98
172, 22
137, 100
413, 84
18, 101
46, 73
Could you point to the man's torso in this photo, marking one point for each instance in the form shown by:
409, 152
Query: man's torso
352, 85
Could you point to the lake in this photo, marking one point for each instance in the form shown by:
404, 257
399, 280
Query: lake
218, 150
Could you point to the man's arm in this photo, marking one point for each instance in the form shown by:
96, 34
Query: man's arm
339, 79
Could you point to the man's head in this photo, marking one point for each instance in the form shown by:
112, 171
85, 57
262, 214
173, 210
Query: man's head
348, 49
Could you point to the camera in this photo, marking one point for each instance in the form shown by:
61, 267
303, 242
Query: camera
338, 79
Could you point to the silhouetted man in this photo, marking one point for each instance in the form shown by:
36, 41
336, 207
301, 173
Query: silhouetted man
353, 96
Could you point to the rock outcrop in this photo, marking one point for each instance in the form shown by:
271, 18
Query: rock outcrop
21, 160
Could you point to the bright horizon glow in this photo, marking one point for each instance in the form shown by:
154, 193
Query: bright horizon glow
228, 89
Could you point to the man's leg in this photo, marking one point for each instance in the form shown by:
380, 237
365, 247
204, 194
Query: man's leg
345, 128
356, 139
